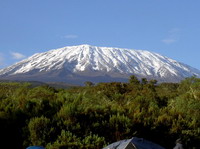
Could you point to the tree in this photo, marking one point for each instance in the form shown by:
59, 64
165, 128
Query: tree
144, 81
64, 141
133, 80
40, 130
88, 83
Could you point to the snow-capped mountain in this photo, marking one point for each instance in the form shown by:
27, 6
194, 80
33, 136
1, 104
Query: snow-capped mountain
77, 64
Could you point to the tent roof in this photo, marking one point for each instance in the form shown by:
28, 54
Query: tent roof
138, 143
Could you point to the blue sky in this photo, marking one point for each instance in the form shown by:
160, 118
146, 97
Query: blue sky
168, 27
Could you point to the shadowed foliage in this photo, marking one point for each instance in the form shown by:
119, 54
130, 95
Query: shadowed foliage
96, 115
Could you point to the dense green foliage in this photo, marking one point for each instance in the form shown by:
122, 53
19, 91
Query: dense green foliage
93, 116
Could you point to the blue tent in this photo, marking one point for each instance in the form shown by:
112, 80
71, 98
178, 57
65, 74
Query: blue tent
35, 147
134, 143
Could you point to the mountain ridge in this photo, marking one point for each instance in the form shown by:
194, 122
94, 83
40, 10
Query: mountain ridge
91, 63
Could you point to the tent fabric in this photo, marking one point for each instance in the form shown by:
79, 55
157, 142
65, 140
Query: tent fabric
134, 143
35, 147
130, 146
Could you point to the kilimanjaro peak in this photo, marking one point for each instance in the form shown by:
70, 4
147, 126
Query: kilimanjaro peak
77, 64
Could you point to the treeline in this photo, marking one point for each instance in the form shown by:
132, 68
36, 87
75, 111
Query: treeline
93, 116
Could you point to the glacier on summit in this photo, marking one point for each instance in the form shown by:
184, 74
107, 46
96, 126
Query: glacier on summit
77, 64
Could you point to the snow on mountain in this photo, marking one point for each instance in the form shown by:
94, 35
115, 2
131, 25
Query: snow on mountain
90, 63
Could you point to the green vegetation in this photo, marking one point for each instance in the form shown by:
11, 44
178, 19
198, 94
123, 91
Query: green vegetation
93, 116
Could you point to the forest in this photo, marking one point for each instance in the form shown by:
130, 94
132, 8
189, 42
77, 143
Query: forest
95, 115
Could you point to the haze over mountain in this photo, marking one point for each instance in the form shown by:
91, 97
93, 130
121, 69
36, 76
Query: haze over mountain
77, 64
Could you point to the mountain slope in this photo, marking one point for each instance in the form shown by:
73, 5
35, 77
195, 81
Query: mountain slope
77, 64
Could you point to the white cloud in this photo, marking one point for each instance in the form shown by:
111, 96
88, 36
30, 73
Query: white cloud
1, 59
174, 31
168, 41
70, 36
173, 36
17, 56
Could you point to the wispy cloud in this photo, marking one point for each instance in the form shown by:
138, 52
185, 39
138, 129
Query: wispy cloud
174, 30
1, 60
173, 36
169, 41
71, 36
17, 56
